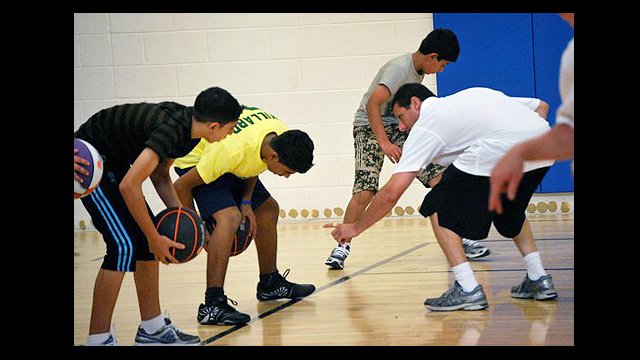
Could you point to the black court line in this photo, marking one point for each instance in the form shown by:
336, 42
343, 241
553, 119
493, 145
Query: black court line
322, 288
475, 271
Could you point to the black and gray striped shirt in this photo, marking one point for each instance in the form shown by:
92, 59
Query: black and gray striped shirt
121, 132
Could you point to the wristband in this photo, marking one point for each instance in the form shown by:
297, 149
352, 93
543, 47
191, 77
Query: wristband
246, 202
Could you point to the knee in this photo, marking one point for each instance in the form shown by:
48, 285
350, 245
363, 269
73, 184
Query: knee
269, 209
228, 218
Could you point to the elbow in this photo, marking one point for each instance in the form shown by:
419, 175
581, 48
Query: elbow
543, 109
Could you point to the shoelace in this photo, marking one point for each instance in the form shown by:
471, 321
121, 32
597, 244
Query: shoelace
342, 251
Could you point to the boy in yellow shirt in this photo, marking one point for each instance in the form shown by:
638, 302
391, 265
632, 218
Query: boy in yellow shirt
222, 177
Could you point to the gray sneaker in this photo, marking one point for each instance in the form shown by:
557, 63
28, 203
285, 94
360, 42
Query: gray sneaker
474, 250
338, 256
457, 299
541, 289
168, 335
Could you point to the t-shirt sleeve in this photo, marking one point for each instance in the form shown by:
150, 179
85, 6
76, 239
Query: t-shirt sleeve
214, 162
531, 103
564, 115
162, 140
419, 150
392, 78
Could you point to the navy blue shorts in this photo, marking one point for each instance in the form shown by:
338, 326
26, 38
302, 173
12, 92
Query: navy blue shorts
125, 242
226, 191
462, 203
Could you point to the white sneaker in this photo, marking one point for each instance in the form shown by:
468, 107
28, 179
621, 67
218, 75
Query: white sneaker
474, 250
111, 341
338, 256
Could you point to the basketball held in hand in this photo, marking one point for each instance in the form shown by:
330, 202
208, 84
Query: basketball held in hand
89, 182
182, 225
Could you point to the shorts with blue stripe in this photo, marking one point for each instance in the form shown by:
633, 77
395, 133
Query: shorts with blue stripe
110, 215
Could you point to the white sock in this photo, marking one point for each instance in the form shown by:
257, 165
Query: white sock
534, 266
97, 339
153, 325
464, 276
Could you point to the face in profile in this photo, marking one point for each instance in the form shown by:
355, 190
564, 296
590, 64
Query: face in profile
275, 166
407, 117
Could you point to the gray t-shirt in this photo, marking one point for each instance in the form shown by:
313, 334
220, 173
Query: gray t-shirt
395, 73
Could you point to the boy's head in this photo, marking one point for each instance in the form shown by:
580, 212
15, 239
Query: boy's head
440, 47
293, 153
218, 111
407, 103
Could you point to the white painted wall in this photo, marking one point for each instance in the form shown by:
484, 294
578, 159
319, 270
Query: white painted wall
309, 69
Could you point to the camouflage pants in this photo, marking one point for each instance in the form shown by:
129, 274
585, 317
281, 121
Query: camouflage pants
369, 158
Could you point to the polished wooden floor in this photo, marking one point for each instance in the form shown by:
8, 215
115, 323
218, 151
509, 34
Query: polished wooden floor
376, 300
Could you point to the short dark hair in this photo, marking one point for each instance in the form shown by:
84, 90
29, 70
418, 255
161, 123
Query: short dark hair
443, 42
216, 105
406, 91
294, 149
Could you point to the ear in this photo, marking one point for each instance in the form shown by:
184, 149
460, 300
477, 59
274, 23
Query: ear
273, 155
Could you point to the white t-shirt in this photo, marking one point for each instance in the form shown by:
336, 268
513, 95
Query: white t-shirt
565, 111
472, 129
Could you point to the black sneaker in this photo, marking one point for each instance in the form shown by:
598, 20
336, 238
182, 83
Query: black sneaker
279, 288
221, 313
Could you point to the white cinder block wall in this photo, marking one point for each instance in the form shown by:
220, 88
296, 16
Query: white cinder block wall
309, 69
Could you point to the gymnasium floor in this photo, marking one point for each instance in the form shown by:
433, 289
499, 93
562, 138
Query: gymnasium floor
376, 300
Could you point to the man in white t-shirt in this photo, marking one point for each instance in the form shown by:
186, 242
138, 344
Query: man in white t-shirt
468, 132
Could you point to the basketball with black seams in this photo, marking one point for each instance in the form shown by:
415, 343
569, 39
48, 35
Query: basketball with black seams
182, 225
242, 238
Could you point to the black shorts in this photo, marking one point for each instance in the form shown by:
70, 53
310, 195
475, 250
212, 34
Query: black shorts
462, 203
226, 191
126, 243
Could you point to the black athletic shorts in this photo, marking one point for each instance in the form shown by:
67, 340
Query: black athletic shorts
462, 203
126, 243
224, 192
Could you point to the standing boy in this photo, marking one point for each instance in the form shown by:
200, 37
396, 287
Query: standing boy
140, 141
376, 133
223, 179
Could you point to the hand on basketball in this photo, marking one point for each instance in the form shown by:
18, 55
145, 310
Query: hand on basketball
161, 248
505, 177
77, 166
248, 212
342, 232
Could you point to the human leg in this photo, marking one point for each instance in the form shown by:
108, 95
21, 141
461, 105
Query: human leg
369, 159
537, 284
272, 285
455, 209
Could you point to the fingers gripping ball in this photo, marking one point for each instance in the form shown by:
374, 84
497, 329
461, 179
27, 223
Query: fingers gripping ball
242, 238
91, 181
182, 225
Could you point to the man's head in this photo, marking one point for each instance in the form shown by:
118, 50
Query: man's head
292, 153
440, 48
218, 111
407, 103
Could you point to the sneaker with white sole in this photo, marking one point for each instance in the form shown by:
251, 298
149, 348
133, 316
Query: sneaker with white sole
458, 299
541, 289
277, 287
168, 335
219, 312
111, 340
338, 256
474, 250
